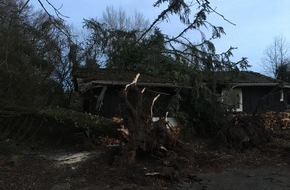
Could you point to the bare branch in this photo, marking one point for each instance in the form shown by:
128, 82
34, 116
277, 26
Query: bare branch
59, 26
25, 4
160, 17
276, 55
195, 24
133, 82
57, 12
152, 105
214, 10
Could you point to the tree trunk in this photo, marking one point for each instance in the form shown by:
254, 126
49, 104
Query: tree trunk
144, 134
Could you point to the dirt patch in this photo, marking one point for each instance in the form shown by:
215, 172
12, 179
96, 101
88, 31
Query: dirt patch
69, 158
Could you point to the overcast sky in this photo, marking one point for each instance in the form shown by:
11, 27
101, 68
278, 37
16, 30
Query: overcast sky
257, 22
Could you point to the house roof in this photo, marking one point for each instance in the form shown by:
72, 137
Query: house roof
249, 78
87, 78
115, 75
252, 77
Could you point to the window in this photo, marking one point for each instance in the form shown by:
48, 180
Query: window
233, 98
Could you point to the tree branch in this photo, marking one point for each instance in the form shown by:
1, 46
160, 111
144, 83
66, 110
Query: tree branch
160, 16
53, 21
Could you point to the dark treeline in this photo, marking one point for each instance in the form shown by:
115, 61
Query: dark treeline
34, 68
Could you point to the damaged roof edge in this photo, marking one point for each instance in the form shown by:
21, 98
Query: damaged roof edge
104, 82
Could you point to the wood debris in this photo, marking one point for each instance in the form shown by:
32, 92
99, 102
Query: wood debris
246, 130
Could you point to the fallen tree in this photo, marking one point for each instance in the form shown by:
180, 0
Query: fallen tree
24, 124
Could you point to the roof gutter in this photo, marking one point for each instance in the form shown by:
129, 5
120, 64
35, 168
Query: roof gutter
104, 82
254, 84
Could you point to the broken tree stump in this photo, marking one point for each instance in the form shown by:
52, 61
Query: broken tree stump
144, 134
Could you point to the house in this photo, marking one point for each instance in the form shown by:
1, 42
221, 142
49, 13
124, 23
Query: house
252, 92
100, 90
246, 91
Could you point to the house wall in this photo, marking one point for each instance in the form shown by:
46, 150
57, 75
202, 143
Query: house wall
262, 99
110, 104
113, 106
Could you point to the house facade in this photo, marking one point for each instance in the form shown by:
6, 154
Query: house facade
252, 92
101, 89
244, 91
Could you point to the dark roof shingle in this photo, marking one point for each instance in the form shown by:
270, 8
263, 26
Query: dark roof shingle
252, 77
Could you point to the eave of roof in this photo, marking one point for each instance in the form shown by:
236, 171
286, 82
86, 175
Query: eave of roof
114, 83
281, 85
253, 84
115, 75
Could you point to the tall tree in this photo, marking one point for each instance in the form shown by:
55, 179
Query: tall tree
202, 106
276, 55
32, 62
